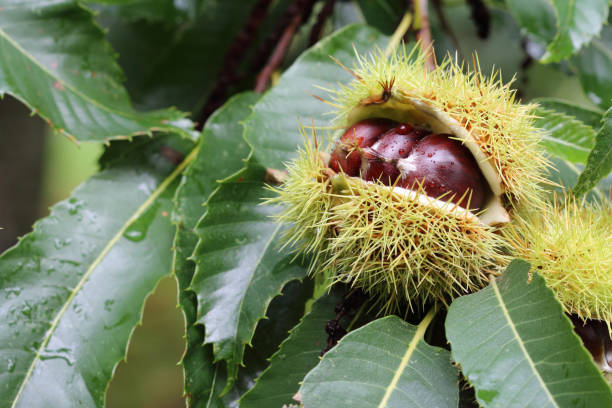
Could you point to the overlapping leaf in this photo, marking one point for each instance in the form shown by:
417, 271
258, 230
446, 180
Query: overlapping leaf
594, 64
73, 289
563, 26
385, 363
221, 153
589, 116
599, 163
240, 267
297, 355
565, 136
56, 60
273, 128
517, 348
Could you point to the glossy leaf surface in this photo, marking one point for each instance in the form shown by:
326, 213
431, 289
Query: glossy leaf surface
565, 136
273, 129
518, 349
594, 64
599, 163
54, 58
221, 141
297, 355
73, 289
239, 266
386, 363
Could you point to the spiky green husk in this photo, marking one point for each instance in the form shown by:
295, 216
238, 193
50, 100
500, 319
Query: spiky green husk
570, 245
393, 246
485, 106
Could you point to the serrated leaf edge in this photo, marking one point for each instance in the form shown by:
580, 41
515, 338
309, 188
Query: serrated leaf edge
139, 211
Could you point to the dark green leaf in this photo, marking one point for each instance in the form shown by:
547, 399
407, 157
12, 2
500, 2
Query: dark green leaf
536, 17
599, 163
55, 59
297, 355
594, 64
565, 175
565, 136
239, 265
518, 349
273, 128
385, 15
73, 289
588, 116
385, 363
221, 153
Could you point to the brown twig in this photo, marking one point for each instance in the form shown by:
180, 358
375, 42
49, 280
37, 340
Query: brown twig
317, 28
232, 59
277, 56
438, 7
481, 17
424, 34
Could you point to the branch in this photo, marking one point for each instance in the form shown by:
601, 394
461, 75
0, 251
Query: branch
277, 56
446, 26
424, 34
325, 12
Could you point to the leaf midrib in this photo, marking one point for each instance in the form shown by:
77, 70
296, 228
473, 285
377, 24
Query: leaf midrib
64, 83
510, 323
139, 211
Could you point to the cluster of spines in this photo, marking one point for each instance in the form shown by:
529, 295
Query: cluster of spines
484, 106
568, 243
387, 244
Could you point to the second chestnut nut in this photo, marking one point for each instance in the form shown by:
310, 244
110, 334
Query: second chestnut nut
411, 157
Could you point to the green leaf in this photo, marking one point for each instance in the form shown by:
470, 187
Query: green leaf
599, 163
73, 289
566, 26
594, 64
239, 265
273, 128
518, 349
589, 116
565, 136
297, 355
565, 175
385, 15
221, 153
55, 60
385, 363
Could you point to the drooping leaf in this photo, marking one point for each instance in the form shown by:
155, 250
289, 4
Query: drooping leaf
73, 289
589, 116
239, 266
273, 128
518, 349
297, 355
599, 163
385, 363
221, 153
594, 64
56, 60
565, 136
563, 26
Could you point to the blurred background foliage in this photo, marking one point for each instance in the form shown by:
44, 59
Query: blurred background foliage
160, 47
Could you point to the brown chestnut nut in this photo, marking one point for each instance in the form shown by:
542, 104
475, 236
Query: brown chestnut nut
444, 165
345, 156
379, 162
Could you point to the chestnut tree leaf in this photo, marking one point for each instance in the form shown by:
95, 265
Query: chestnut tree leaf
565, 136
73, 289
221, 142
54, 58
599, 162
385, 15
564, 175
240, 266
385, 363
273, 129
589, 116
563, 26
518, 349
594, 65
297, 355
